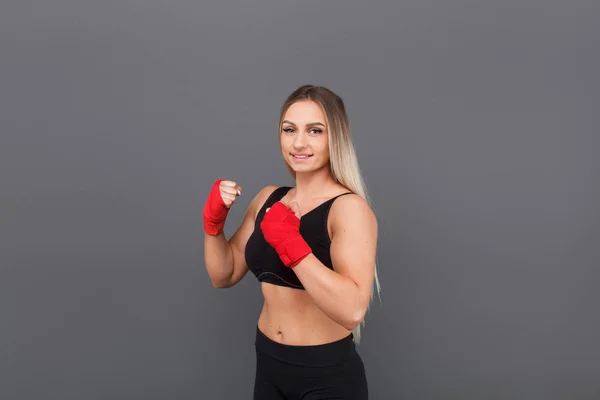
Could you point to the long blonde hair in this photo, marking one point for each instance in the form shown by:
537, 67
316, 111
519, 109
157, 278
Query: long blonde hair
343, 161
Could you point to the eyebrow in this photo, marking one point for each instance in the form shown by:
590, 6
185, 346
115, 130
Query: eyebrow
309, 124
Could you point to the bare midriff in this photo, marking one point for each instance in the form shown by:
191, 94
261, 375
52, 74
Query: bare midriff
290, 316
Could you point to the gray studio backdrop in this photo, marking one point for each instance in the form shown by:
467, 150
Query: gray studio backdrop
476, 128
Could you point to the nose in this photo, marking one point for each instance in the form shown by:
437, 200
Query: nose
300, 141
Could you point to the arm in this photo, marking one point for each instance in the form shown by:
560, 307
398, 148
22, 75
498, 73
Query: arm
344, 294
225, 260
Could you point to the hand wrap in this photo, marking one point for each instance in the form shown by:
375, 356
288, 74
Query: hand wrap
215, 211
281, 229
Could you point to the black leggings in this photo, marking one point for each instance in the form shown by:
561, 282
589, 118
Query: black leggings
329, 371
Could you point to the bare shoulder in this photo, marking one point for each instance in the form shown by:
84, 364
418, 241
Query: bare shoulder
350, 213
261, 197
266, 191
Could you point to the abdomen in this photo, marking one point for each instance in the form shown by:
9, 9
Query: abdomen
290, 316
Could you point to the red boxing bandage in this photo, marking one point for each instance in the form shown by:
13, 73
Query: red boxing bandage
281, 229
215, 211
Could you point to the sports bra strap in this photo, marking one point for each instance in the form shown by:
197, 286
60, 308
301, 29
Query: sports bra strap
335, 197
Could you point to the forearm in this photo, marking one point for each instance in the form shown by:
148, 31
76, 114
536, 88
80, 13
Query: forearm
336, 295
218, 258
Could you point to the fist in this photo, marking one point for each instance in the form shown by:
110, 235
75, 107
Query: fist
281, 229
293, 207
229, 190
221, 197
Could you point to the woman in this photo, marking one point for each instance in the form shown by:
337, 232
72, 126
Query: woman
312, 247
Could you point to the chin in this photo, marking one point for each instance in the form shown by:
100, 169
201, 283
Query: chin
306, 168
301, 169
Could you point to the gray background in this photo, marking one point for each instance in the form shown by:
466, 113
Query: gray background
476, 127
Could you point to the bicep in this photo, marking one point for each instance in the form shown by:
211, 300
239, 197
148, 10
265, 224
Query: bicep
354, 243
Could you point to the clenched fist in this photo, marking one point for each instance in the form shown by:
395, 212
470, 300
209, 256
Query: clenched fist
281, 229
229, 191
220, 199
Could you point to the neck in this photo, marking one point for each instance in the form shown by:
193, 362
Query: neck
314, 183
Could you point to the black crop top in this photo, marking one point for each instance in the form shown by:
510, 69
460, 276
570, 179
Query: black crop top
263, 260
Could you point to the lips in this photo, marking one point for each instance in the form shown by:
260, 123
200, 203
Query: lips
301, 156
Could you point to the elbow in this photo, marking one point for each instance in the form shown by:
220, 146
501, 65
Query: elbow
220, 284
354, 319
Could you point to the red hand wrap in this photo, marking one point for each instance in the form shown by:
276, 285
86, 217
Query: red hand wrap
281, 229
215, 211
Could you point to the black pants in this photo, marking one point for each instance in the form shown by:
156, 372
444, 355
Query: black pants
329, 371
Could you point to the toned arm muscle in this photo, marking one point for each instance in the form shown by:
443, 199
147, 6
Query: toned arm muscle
344, 293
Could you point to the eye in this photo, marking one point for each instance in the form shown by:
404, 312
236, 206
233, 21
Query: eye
288, 130
316, 131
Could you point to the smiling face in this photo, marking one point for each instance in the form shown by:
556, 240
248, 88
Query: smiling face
304, 137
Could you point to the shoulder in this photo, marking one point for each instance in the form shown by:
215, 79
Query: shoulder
262, 196
264, 193
351, 212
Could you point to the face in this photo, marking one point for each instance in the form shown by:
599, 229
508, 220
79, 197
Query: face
304, 137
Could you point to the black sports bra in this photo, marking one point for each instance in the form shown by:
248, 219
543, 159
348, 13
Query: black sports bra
261, 257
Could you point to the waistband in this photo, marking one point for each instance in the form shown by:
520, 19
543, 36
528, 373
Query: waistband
321, 355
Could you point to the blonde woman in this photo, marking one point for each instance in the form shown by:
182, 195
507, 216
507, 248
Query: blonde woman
312, 247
